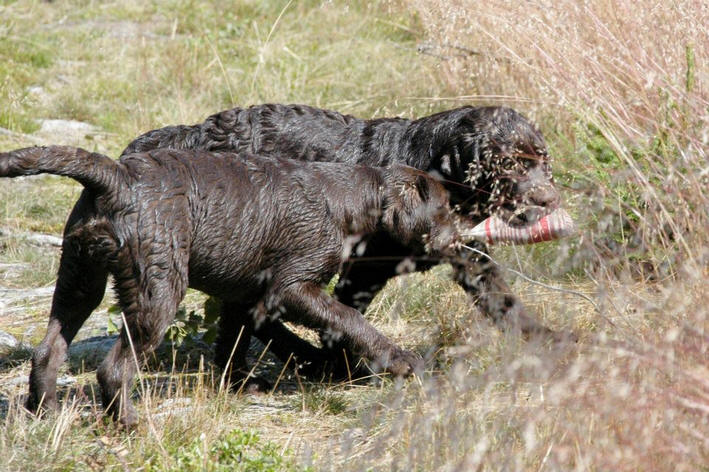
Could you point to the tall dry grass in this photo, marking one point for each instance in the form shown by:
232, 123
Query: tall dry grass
626, 84
621, 90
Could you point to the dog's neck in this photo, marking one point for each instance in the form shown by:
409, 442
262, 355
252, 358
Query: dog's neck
427, 140
418, 143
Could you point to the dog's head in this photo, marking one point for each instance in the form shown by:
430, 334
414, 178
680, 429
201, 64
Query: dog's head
501, 160
416, 209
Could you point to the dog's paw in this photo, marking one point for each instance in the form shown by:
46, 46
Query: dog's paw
544, 335
241, 381
402, 363
256, 385
40, 407
564, 337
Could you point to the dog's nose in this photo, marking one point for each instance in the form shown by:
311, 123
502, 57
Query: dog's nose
545, 196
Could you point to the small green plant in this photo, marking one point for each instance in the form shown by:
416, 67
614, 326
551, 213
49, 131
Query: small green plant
332, 284
327, 401
112, 327
609, 170
185, 328
234, 451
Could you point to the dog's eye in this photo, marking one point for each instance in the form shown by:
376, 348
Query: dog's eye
510, 163
529, 161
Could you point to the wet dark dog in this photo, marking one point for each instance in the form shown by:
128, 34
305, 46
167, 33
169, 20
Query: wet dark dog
262, 234
490, 159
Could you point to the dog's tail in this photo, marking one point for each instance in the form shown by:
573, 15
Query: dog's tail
94, 171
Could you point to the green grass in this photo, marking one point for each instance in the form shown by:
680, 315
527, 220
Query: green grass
236, 450
235, 54
39, 204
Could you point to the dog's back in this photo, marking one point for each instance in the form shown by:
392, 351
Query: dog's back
244, 217
290, 131
233, 219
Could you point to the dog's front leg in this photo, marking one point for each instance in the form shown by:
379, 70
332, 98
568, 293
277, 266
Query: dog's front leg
306, 303
482, 279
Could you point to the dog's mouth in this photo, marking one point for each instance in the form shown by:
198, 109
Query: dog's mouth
519, 216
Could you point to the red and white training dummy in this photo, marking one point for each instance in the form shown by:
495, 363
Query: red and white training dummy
493, 230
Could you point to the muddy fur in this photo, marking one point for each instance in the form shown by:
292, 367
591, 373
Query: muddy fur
263, 234
490, 159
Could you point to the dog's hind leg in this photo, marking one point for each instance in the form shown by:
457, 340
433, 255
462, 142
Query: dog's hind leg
233, 339
149, 299
81, 284
80, 288
311, 361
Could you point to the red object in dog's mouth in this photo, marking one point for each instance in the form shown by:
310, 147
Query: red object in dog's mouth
493, 230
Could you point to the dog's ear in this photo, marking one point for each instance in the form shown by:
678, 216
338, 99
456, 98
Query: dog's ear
401, 211
417, 206
445, 165
456, 146
422, 187
426, 216
447, 162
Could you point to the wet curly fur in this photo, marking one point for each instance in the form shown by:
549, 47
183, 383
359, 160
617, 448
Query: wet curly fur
263, 234
490, 159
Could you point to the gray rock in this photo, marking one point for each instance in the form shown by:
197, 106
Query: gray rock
38, 93
9, 271
66, 380
18, 381
23, 380
10, 296
87, 354
7, 342
40, 239
69, 132
65, 126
